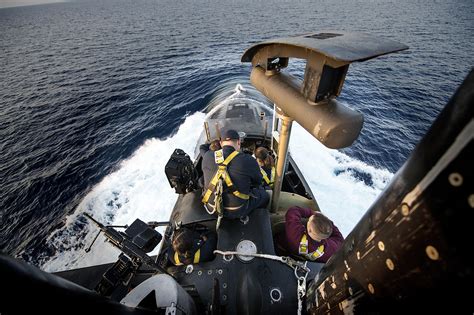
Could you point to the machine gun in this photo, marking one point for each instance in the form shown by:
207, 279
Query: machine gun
135, 242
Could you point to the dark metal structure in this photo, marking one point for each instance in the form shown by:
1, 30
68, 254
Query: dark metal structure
312, 103
28, 290
411, 252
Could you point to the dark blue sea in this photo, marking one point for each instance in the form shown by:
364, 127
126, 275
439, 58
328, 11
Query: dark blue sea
94, 95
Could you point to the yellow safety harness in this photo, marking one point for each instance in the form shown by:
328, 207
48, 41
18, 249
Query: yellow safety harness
178, 262
303, 250
223, 174
267, 180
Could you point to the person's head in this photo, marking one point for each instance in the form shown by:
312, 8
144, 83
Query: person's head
263, 157
183, 244
319, 227
231, 138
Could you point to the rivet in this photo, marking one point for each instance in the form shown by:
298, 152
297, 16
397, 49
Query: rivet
275, 295
224, 285
219, 271
381, 246
199, 272
390, 264
189, 269
455, 179
358, 255
350, 290
209, 272
432, 252
405, 209
333, 285
470, 200
345, 276
371, 288
224, 297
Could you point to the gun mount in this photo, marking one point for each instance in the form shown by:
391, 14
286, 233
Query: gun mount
137, 240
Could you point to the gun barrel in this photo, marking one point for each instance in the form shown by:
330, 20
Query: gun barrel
154, 224
94, 220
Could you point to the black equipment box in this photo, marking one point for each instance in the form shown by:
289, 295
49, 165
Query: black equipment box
181, 173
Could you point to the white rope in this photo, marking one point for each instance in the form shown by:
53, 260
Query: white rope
265, 256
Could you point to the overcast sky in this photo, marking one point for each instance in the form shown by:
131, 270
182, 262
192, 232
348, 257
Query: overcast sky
17, 3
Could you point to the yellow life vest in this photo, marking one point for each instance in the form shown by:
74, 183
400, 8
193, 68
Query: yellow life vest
197, 256
222, 173
267, 180
303, 250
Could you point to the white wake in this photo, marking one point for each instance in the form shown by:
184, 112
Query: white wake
138, 189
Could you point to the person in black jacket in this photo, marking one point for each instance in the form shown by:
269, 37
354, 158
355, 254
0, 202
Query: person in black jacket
267, 166
214, 145
246, 192
191, 246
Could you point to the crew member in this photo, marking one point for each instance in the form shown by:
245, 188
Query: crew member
191, 247
317, 240
267, 166
214, 145
242, 190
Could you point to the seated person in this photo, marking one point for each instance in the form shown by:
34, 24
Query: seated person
317, 240
191, 246
244, 193
267, 166
213, 145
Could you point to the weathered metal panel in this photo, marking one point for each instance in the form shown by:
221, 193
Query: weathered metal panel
341, 46
410, 251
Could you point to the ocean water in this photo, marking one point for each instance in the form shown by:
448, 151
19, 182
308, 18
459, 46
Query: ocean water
95, 95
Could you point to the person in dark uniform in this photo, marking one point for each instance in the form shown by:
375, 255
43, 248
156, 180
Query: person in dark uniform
214, 145
242, 191
192, 246
267, 166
